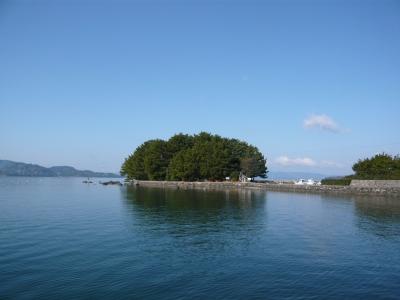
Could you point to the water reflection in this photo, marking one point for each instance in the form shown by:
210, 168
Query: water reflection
177, 199
378, 215
197, 218
196, 205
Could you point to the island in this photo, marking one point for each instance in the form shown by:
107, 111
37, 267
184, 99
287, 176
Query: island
196, 157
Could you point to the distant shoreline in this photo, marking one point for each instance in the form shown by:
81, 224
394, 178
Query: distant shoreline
20, 169
60, 176
320, 189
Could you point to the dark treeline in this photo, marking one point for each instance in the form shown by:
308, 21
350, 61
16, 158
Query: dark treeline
191, 158
380, 166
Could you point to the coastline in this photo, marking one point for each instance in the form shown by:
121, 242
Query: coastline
320, 189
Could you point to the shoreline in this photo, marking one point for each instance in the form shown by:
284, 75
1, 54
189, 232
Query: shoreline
319, 189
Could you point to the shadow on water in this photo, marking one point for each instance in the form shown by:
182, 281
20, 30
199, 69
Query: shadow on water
378, 215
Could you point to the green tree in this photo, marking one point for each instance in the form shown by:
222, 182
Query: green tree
184, 166
380, 166
199, 157
179, 142
253, 166
133, 167
156, 160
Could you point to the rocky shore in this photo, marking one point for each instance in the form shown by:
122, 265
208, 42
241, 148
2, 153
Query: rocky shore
373, 189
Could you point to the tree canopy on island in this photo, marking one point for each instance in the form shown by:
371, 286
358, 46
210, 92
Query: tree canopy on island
380, 166
191, 158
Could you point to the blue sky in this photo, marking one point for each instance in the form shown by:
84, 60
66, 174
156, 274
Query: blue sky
314, 84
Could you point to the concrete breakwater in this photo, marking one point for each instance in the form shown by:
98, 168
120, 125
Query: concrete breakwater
379, 184
351, 189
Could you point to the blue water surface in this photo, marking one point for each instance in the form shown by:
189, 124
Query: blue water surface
62, 239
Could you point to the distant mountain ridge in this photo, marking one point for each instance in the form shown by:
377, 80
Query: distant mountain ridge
12, 168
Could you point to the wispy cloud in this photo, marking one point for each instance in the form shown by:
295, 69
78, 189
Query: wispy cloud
287, 161
305, 162
322, 122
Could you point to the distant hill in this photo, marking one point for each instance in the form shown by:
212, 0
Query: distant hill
12, 168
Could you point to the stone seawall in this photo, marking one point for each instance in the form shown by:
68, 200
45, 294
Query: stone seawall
355, 190
377, 184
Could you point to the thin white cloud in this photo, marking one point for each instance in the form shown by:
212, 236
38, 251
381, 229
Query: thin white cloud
287, 161
305, 162
322, 122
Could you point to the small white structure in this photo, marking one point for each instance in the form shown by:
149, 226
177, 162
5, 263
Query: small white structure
310, 182
306, 182
244, 178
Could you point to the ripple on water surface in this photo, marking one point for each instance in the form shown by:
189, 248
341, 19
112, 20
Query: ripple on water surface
61, 239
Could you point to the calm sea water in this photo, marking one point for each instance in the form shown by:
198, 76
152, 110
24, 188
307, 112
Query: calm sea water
61, 239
